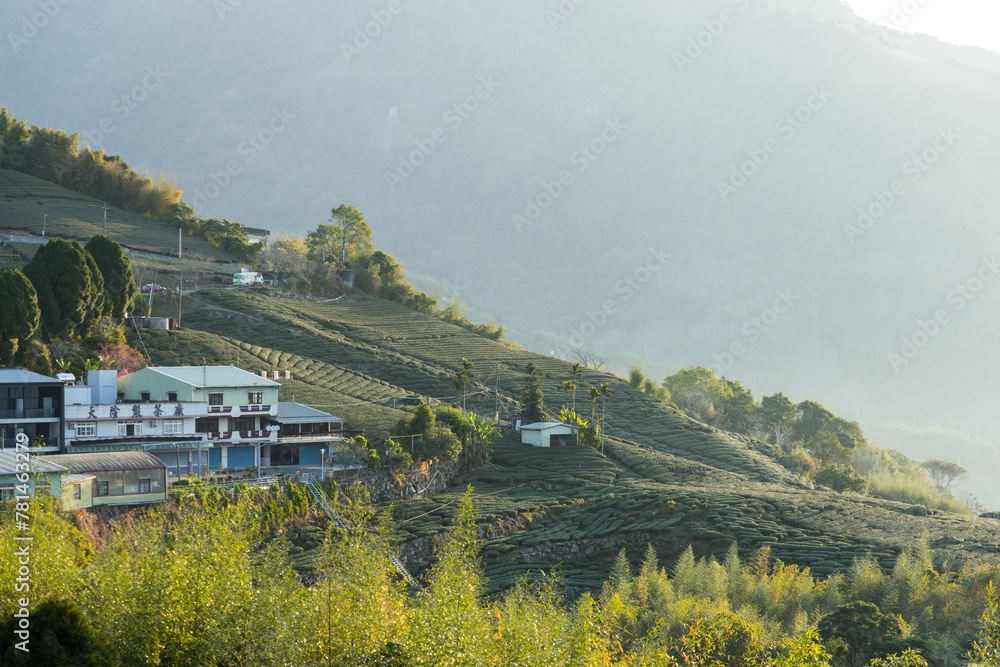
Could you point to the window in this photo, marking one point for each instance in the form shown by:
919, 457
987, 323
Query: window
77, 492
241, 424
102, 488
6, 493
85, 429
255, 397
172, 396
206, 425
144, 485
215, 399
173, 426
144, 396
130, 428
130, 482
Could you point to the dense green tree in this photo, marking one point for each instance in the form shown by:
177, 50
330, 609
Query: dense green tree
532, 398
698, 392
120, 291
859, 631
739, 410
19, 314
347, 237
841, 478
60, 635
777, 410
69, 286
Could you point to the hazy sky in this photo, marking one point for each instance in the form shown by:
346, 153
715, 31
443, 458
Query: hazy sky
970, 22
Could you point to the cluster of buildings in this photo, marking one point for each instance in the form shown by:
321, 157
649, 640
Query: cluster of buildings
110, 440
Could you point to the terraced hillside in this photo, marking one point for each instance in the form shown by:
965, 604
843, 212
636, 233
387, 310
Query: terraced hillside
665, 480
27, 204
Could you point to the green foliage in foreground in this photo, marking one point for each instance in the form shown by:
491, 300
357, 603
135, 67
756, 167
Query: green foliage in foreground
210, 582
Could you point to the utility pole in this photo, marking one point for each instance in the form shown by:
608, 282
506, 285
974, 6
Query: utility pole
180, 292
497, 383
179, 253
45, 219
105, 218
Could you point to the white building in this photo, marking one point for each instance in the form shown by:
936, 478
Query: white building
546, 434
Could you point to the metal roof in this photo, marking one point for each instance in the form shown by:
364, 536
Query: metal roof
296, 413
21, 376
105, 461
212, 376
542, 426
8, 463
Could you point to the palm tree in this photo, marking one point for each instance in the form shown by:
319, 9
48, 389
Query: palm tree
570, 389
576, 372
594, 394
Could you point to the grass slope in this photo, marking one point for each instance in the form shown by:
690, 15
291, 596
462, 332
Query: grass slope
667, 480
26, 200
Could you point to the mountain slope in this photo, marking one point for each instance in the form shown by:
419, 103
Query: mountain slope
667, 480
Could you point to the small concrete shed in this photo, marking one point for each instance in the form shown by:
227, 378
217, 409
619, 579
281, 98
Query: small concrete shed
547, 434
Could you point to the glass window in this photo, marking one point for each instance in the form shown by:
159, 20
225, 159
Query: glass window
215, 399
77, 492
144, 396
172, 396
84, 429
130, 428
206, 425
102, 487
130, 482
117, 483
172, 426
255, 397
144, 486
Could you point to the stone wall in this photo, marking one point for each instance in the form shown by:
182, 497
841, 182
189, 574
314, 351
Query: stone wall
416, 482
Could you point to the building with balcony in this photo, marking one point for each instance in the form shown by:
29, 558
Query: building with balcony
231, 410
31, 404
303, 432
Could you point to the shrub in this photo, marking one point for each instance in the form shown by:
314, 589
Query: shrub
841, 478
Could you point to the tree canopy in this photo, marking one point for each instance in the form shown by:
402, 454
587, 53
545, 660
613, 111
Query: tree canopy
347, 237
120, 291
69, 285
19, 314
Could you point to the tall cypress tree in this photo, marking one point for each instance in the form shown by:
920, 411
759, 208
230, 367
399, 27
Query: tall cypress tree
19, 314
69, 286
532, 398
120, 291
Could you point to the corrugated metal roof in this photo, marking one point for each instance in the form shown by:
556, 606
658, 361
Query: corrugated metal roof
21, 376
213, 376
8, 463
105, 461
294, 413
541, 426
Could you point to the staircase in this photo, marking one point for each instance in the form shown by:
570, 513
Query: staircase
341, 525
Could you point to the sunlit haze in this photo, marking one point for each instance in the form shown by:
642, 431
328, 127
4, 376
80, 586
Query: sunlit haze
966, 22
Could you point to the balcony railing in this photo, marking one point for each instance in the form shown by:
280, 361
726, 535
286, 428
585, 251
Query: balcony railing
220, 408
239, 435
255, 408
